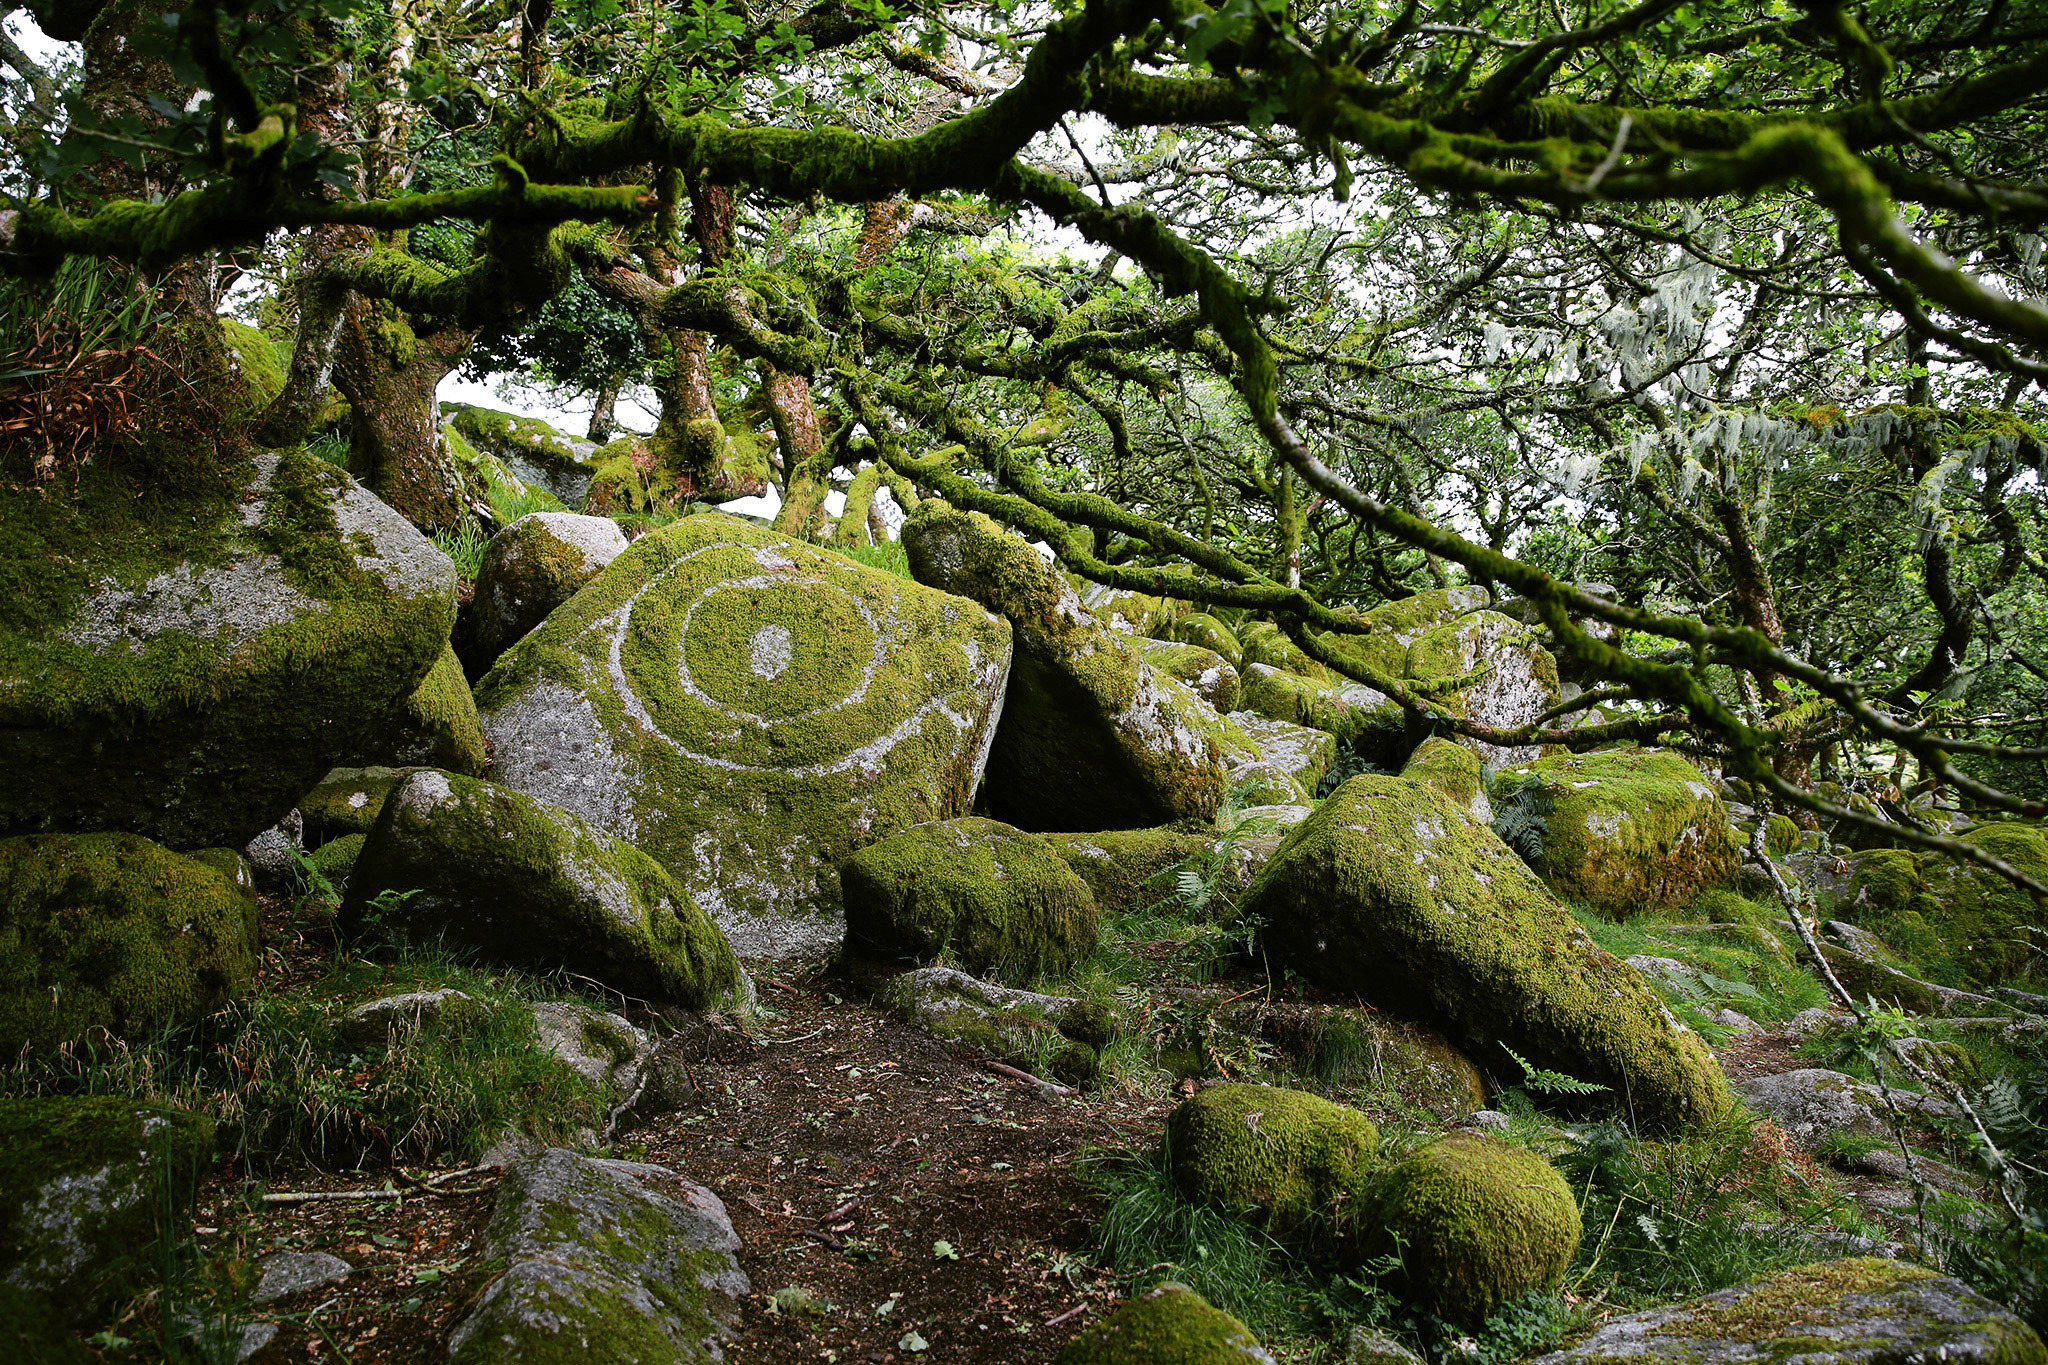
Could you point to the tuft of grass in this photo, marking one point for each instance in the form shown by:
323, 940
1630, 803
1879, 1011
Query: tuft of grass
511, 501
331, 446
464, 546
888, 556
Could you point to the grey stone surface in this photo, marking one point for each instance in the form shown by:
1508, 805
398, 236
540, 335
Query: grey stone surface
270, 853
1368, 1347
602, 1048
1303, 753
375, 1022
608, 1262
1855, 1312
285, 1273
530, 568
1813, 1104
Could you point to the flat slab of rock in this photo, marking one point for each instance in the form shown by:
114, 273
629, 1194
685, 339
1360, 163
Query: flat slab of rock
1861, 1311
607, 1262
293, 1272
747, 710
1814, 1103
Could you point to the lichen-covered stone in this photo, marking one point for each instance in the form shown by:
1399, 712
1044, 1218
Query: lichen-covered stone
1627, 830
1302, 752
1168, 1325
376, 1023
604, 1263
1476, 1223
85, 1192
1213, 677
435, 727
1291, 1162
603, 1048
1516, 682
1813, 1104
1393, 892
534, 886
347, 801
1453, 770
255, 362
989, 897
1132, 613
1092, 737
748, 710
530, 568
1393, 627
1862, 1311
111, 931
1262, 642
1211, 634
183, 665
1368, 721
532, 450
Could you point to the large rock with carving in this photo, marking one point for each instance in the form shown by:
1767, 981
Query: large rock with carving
748, 710
1093, 737
182, 659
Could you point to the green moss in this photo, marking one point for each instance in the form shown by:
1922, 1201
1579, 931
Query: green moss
1719, 905
1476, 1223
255, 359
437, 727
1992, 928
1169, 1325
112, 1171
991, 899
1882, 882
1451, 768
111, 931
1125, 868
1390, 891
1207, 672
753, 784
533, 886
198, 740
1630, 829
336, 858
1208, 633
1262, 642
1356, 715
1293, 1163
1781, 836
347, 801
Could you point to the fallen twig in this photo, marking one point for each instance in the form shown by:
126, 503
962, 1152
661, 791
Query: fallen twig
1014, 1074
1073, 1312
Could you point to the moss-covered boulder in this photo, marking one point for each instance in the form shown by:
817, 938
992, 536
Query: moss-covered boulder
991, 898
1392, 891
1993, 929
532, 450
435, 727
1358, 1049
1453, 770
184, 664
336, 858
1364, 720
748, 710
1047, 1035
111, 931
90, 1183
1476, 1223
1262, 642
533, 886
1293, 1163
530, 568
1213, 677
1862, 1311
1130, 869
347, 801
1131, 613
256, 363
1211, 634
1623, 830
1392, 628
1092, 737
1303, 752
1490, 669
1168, 1325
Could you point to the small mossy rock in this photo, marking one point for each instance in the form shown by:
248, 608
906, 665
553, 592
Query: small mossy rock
532, 450
111, 931
1213, 677
183, 664
1045, 1034
1129, 869
606, 1263
1364, 1049
1476, 1222
1293, 1163
374, 1024
435, 727
601, 1047
1091, 737
1211, 634
1168, 1325
1516, 677
1262, 642
1453, 770
1862, 1311
995, 900
530, 568
347, 801
1303, 752
1781, 836
534, 886
255, 362
1266, 784
336, 858
1991, 927
749, 710
85, 1194
1392, 891
1131, 613
1393, 627
1882, 882
1366, 720
1628, 830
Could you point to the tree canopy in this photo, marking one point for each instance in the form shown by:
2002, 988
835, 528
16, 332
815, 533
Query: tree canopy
1708, 335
